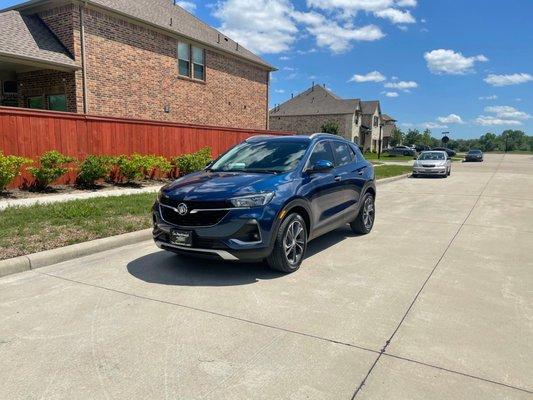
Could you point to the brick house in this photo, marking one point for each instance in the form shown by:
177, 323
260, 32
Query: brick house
389, 125
359, 121
147, 59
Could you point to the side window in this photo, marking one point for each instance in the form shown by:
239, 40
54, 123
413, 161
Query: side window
343, 154
357, 156
322, 151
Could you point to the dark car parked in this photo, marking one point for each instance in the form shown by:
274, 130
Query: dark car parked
450, 152
401, 151
474, 155
422, 147
266, 198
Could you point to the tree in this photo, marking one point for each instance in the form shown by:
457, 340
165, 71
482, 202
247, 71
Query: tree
488, 142
397, 137
413, 137
514, 140
426, 137
331, 127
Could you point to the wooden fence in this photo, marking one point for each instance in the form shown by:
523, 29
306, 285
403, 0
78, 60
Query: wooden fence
30, 133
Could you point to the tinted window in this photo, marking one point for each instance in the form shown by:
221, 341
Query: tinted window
343, 154
272, 155
322, 151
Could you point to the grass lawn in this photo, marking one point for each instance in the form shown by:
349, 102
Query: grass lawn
25, 230
386, 171
386, 157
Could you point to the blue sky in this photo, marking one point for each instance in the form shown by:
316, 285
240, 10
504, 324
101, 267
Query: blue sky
464, 66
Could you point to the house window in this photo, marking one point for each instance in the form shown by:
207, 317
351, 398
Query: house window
57, 102
36, 102
184, 59
191, 61
376, 120
198, 63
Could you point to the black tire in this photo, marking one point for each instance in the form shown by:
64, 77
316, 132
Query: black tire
449, 172
279, 260
413, 175
361, 224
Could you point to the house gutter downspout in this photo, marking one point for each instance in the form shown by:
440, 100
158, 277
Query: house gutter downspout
83, 61
268, 101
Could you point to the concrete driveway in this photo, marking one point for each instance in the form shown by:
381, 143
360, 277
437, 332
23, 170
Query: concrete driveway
436, 303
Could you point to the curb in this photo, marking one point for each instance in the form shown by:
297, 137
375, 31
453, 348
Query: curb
54, 256
61, 254
391, 179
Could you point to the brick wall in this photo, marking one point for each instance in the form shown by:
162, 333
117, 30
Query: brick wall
306, 124
47, 82
132, 72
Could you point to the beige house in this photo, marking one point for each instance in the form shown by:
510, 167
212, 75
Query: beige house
389, 125
359, 121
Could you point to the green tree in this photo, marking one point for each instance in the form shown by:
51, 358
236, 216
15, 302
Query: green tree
330, 127
397, 137
426, 137
488, 142
413, 137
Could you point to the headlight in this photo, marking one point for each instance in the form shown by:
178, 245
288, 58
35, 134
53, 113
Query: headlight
254, 200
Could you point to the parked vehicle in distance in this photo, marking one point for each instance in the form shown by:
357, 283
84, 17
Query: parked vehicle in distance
450, 152
434, 163
474, 155
266, 198
422, 147
401, 151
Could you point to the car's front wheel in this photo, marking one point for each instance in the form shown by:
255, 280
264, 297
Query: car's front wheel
364, 221
290, 245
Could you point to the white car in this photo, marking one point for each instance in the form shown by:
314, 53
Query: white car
434, 163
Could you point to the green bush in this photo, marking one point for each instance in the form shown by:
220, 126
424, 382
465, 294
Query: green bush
187, 163
131, 168
52, 167
10, 167
156, 164
94, 168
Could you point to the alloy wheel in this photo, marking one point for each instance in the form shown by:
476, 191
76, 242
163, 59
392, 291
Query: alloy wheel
294, 242
369, 213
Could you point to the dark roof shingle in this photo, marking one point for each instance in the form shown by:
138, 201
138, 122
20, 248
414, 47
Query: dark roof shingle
316, 101
27, 37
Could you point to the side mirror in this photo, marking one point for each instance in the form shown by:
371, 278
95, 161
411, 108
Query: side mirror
321, 166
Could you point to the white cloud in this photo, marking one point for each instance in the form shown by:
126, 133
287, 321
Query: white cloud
443, 61
406, 3
507, 80
188, 5
402, 85
451, 119
374, 76
507, 112
391, 94
492, 121
284, 58
403, 28
279, 91
433, 125
330, 34
350, 7
263, 26
407, 124
289, 69
396, 16
492, 97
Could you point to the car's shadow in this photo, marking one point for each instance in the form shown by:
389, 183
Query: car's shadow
166, 268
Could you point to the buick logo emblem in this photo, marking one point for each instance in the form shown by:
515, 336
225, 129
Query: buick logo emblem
182, 209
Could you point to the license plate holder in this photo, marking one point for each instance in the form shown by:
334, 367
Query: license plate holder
181, 238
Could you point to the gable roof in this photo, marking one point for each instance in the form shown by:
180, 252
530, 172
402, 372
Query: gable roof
386, 118
27, 37
316, 100
163, 14
369, 107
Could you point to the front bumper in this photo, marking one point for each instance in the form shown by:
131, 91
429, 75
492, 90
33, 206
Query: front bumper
430, 170
224, 239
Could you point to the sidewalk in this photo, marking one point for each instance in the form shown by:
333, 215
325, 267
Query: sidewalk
75, 196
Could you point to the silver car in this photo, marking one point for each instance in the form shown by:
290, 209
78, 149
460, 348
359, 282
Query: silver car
435, 163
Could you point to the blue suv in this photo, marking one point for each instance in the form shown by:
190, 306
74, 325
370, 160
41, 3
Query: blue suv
266, 198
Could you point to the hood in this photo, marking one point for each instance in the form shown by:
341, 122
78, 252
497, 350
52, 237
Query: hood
430, 162
213, 186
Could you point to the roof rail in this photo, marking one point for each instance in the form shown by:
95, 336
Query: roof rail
259, 137
327, 135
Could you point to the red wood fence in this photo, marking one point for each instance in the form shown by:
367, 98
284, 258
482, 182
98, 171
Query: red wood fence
30, 133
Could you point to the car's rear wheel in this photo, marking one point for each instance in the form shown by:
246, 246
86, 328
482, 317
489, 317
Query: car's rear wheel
364, 221
290, 245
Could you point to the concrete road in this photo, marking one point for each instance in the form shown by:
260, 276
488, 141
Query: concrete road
436, 303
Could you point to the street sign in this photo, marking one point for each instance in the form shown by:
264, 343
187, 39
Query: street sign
445, 139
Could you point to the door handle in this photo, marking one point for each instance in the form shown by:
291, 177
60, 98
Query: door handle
338, 178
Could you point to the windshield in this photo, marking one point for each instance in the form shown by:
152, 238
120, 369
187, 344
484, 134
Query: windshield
432, 156
474, 152
267, 156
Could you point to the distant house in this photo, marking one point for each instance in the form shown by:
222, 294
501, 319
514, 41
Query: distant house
147, 59
389, 125
359, 121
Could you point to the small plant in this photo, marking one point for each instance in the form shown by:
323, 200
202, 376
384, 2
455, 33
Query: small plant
331, 127
131, 168
192, 162
10, 168
157, 164
52, 167
94, 168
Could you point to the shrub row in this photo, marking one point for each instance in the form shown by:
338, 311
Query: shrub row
53, 165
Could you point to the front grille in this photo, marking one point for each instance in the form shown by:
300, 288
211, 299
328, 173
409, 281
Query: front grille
204, 218
208, 243
194, 205
428, 165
